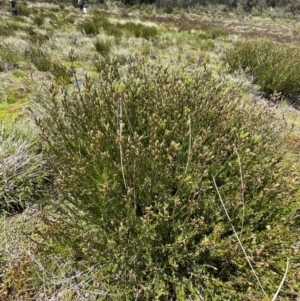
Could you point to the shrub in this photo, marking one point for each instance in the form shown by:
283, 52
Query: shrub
274, 66
134, 156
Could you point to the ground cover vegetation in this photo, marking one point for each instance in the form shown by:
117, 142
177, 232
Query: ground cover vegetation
149, 152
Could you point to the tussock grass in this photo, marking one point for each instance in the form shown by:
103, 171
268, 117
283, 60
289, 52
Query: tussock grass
102, 45
39, 58
21, 167
24, 9
11, 53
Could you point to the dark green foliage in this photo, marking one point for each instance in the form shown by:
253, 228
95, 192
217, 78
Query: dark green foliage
99, 22
274, 66
140, 30
134, 155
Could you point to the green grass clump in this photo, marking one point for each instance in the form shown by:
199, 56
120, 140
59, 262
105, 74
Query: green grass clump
274, 66
134, 157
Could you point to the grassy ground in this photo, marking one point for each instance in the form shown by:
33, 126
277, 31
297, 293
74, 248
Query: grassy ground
44, 39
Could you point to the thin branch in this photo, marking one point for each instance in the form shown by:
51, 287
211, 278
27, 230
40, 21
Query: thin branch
120, 123
283, 279
190, 146
242, 186
189, 151
200, 296
128, 119
238, 239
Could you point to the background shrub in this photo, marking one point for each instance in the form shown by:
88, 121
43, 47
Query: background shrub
134, 156
247, 5
274, 66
